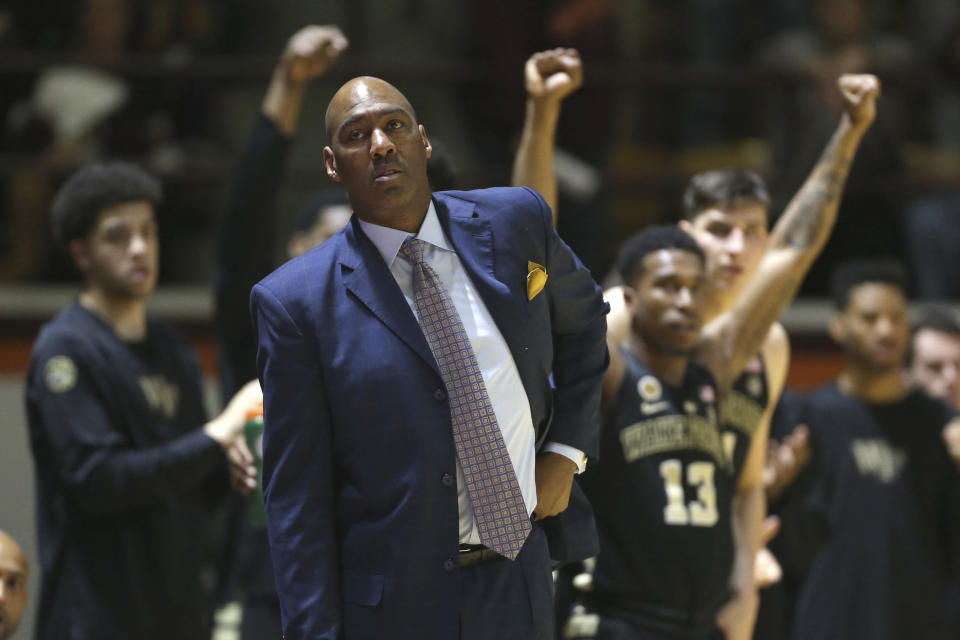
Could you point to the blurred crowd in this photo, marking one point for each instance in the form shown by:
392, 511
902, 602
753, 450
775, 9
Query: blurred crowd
672, 88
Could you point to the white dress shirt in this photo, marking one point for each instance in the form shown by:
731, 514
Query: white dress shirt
499, 371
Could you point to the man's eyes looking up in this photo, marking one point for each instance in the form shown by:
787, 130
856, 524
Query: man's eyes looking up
360, 134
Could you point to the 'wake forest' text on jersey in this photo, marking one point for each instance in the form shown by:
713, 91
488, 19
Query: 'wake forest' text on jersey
662, 496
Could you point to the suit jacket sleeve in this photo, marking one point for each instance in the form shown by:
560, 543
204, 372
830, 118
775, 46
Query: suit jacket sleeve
579, 327
297, 473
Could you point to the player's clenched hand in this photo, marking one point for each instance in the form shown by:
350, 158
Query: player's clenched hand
766, 569
553, 74
859, 92
554, 479
311, 52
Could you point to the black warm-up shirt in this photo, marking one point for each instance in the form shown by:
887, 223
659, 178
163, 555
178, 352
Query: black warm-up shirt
883, 493
127, 484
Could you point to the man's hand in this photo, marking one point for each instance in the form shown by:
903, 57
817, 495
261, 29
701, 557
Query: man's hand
766, 569
738, 615
554, 74
859, 92
243, 475
554, 479
311, 52
785, 461
228, 426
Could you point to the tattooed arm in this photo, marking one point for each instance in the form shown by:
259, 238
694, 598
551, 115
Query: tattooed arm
733, 338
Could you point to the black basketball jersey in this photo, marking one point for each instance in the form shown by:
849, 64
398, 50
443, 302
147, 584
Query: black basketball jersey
662, 497
888, 496
742, 409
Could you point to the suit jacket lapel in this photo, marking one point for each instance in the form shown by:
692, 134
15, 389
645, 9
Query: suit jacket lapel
472, 238
367, 277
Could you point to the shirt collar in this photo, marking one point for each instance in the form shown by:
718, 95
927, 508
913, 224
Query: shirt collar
388, 240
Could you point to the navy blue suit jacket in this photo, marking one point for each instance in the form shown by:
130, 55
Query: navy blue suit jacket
362, 516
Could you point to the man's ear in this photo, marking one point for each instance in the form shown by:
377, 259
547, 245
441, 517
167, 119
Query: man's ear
80, 253
426, 141
685, 225
837, 328
330, 163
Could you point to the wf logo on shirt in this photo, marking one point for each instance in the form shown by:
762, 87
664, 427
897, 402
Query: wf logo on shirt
875, 456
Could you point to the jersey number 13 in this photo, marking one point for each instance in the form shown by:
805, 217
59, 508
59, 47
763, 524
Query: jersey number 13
701, 512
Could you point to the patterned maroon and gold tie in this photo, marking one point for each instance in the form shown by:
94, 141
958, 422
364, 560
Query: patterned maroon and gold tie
492, 485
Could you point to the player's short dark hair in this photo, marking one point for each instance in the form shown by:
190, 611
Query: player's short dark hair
853, 273
316, 205
938, 317
95, 188
636, 248
723, 188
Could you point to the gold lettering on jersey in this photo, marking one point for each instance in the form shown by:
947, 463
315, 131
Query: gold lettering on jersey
876, 457
162, 395
741, 412
672, 433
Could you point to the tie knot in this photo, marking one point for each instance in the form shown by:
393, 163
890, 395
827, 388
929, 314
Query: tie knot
413, 249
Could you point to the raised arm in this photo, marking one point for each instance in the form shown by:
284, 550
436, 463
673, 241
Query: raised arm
550, 76
736, 336
309, 54
245, 252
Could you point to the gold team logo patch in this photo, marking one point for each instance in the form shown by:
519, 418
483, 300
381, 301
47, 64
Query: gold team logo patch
60, 374
649, 389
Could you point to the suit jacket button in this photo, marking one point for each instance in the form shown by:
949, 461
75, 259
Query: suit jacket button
449, 564
439, 395
447, 480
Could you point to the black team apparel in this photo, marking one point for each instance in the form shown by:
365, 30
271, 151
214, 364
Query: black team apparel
127, 483
886, 496
662, 497
741, 411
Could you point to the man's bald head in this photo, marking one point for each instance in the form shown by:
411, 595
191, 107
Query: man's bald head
357, 91
378, 153
14, 571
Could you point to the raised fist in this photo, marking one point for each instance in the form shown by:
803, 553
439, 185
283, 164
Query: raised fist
553, 74
859, 92
311, 52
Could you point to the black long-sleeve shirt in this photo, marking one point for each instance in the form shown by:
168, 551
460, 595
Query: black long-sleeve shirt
127, 483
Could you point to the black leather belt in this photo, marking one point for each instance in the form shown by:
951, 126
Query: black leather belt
473, 554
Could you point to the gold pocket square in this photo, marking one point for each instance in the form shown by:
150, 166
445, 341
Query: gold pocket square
536, 279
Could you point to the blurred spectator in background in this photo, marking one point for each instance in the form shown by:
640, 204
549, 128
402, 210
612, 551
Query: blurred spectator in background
932, 220
90, 106
130, 473
933, 359
802, 112
501, 36
14, 572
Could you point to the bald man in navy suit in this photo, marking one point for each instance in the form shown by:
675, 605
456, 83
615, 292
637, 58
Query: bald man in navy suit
419, 464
